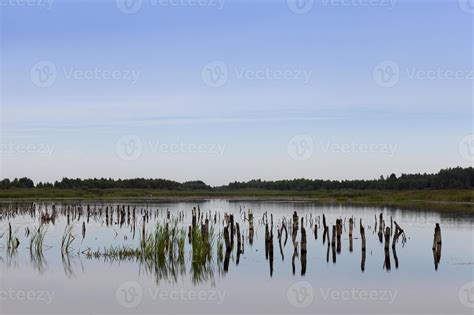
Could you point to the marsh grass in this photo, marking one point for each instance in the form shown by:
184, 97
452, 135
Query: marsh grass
67, 240
203, 241
161, 252
36, 248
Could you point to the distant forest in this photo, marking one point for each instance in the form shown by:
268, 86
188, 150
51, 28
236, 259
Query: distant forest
451, 178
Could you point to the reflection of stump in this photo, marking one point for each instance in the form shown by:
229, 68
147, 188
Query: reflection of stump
295, 254
327, 254
386, 249
333, 243
227, 259
395, 258
362, 237
270, 254
437, 245
228, 244
239, 243
351, 227
303, 251
387, 238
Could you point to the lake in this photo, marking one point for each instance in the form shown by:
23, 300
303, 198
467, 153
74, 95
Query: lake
105, 260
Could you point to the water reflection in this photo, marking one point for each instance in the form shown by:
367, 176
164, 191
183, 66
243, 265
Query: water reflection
197, 245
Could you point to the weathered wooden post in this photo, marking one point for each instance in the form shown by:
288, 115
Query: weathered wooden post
362, 237
338, 234
333, 243
381, 228
325, 230
351, 227
386, 248
251, 230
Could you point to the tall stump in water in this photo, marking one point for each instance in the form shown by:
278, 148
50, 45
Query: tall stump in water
362, 237
386, 249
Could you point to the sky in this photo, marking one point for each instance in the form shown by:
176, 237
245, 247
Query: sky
233, 90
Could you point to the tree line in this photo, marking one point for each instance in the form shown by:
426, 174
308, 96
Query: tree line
451, 178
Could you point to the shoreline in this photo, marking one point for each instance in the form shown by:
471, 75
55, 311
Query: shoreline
437, 200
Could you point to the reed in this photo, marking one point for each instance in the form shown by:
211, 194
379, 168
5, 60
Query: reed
67, 240
37, 239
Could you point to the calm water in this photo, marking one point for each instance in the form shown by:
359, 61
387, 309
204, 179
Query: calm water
81, 283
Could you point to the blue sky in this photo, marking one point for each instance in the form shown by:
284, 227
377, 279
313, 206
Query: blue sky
344, 89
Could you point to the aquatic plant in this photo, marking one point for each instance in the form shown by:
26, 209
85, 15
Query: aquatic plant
67, 240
